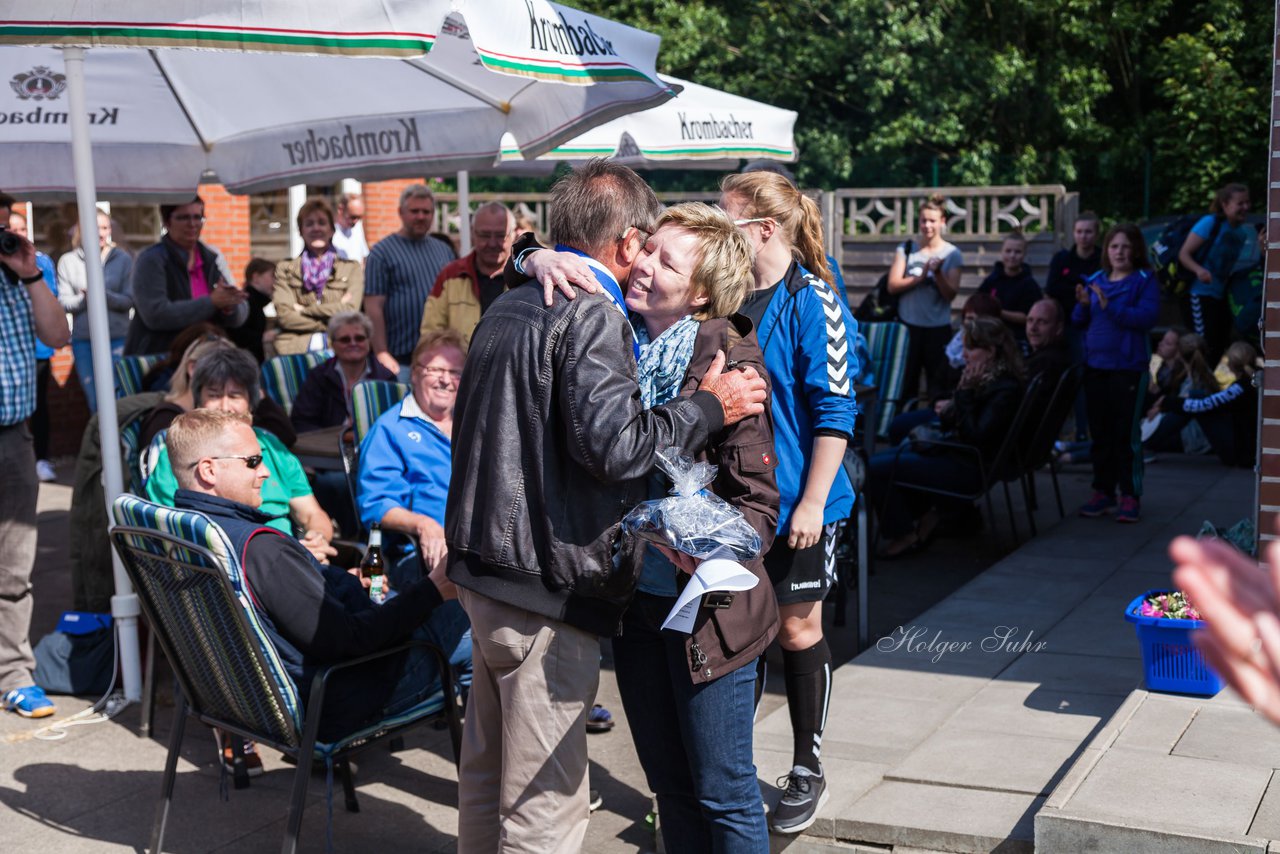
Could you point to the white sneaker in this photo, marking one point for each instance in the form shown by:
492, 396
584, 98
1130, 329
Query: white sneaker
45, 471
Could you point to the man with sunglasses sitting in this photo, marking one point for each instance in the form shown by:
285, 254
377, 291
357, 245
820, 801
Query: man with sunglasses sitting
315, 614
227, 380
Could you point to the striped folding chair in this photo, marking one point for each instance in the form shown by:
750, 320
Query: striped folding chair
129, 371
283, 376
888, 345
369, 399
192, 592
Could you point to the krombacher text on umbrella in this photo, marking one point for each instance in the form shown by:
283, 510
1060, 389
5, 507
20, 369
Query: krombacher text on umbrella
564, 37
315, 148
41, 116
711, 128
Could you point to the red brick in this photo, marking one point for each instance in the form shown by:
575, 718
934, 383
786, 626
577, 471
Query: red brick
1271, 406
1271, 465
1269, 493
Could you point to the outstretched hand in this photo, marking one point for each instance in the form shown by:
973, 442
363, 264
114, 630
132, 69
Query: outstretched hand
1240, 604
741, 393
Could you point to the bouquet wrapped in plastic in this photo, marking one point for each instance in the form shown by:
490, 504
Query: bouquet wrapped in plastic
692, 520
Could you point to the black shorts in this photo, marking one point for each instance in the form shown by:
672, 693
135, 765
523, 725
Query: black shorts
803, 575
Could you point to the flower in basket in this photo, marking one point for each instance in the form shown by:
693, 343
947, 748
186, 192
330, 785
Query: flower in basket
1170, 606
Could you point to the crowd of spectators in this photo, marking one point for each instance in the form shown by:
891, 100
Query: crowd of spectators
657, 295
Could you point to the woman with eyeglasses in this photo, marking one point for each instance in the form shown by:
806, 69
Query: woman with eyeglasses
315, 286
325, 397
177, 283
805, 330
406, 458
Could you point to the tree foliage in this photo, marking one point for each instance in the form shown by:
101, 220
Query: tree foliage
1148, 104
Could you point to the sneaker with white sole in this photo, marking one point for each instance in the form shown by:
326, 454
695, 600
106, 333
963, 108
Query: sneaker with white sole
804, 793
45, 471
30, 702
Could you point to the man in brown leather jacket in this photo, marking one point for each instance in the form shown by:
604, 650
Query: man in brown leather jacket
551, 448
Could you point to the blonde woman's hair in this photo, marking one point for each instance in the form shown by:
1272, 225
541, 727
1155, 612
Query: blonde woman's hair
767, 194
722, 272
180, 384
194, 435
1242, 360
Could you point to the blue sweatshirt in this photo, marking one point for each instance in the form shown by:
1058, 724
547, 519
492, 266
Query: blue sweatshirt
805, 333
1117, 338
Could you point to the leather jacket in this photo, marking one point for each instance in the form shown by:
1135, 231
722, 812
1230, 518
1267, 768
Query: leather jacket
551, 447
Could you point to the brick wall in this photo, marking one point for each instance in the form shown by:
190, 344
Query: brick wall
382, 208
1269, 434
227, 226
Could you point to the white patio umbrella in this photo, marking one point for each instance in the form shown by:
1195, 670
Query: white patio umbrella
263, 121
526, 40
700, 128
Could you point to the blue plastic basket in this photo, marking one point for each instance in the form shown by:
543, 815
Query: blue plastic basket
1170, 662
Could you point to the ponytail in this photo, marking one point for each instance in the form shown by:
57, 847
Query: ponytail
767, 194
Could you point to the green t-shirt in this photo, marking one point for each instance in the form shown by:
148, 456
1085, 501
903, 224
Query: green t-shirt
287, 481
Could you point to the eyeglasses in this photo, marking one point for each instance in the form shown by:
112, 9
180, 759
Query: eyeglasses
645, 234
251, 461
490, 235
352, 339
441, 373
188, 218
741, 222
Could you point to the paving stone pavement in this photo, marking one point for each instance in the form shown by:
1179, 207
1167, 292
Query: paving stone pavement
923, 754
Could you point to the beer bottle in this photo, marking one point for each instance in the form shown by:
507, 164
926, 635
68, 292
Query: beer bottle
372, 568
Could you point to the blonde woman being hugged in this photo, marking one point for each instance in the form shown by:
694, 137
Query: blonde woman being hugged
803, 328
926, 280
315, 286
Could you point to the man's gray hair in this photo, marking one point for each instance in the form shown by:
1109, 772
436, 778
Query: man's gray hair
595, 204
349, 318
222, 366
495, 207
416, 191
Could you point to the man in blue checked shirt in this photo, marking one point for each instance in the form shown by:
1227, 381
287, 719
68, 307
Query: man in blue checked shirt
27, 310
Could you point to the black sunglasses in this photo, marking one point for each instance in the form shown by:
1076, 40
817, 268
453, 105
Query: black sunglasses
251, 461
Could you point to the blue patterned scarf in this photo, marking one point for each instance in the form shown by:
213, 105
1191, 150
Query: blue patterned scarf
316, 270
663, 362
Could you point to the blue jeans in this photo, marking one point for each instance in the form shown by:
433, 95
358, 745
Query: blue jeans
694, 741
447, 628
82, 351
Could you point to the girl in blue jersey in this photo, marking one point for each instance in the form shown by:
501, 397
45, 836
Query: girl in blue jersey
804, 330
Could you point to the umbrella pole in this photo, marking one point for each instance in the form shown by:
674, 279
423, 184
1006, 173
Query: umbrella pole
464, 210
124, 605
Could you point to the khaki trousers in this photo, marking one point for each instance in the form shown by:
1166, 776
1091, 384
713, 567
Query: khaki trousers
522, 780
17, 555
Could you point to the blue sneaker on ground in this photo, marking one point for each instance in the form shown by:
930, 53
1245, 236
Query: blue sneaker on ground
30, 702
1097, 505
1129, 509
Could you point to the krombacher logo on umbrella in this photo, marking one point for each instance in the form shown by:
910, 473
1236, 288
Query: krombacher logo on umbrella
316, 148
563, 37
711, 128
44, 84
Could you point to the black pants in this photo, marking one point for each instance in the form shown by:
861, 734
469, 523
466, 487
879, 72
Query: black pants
40, 418
927, 351
1210, 319
1114, 400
